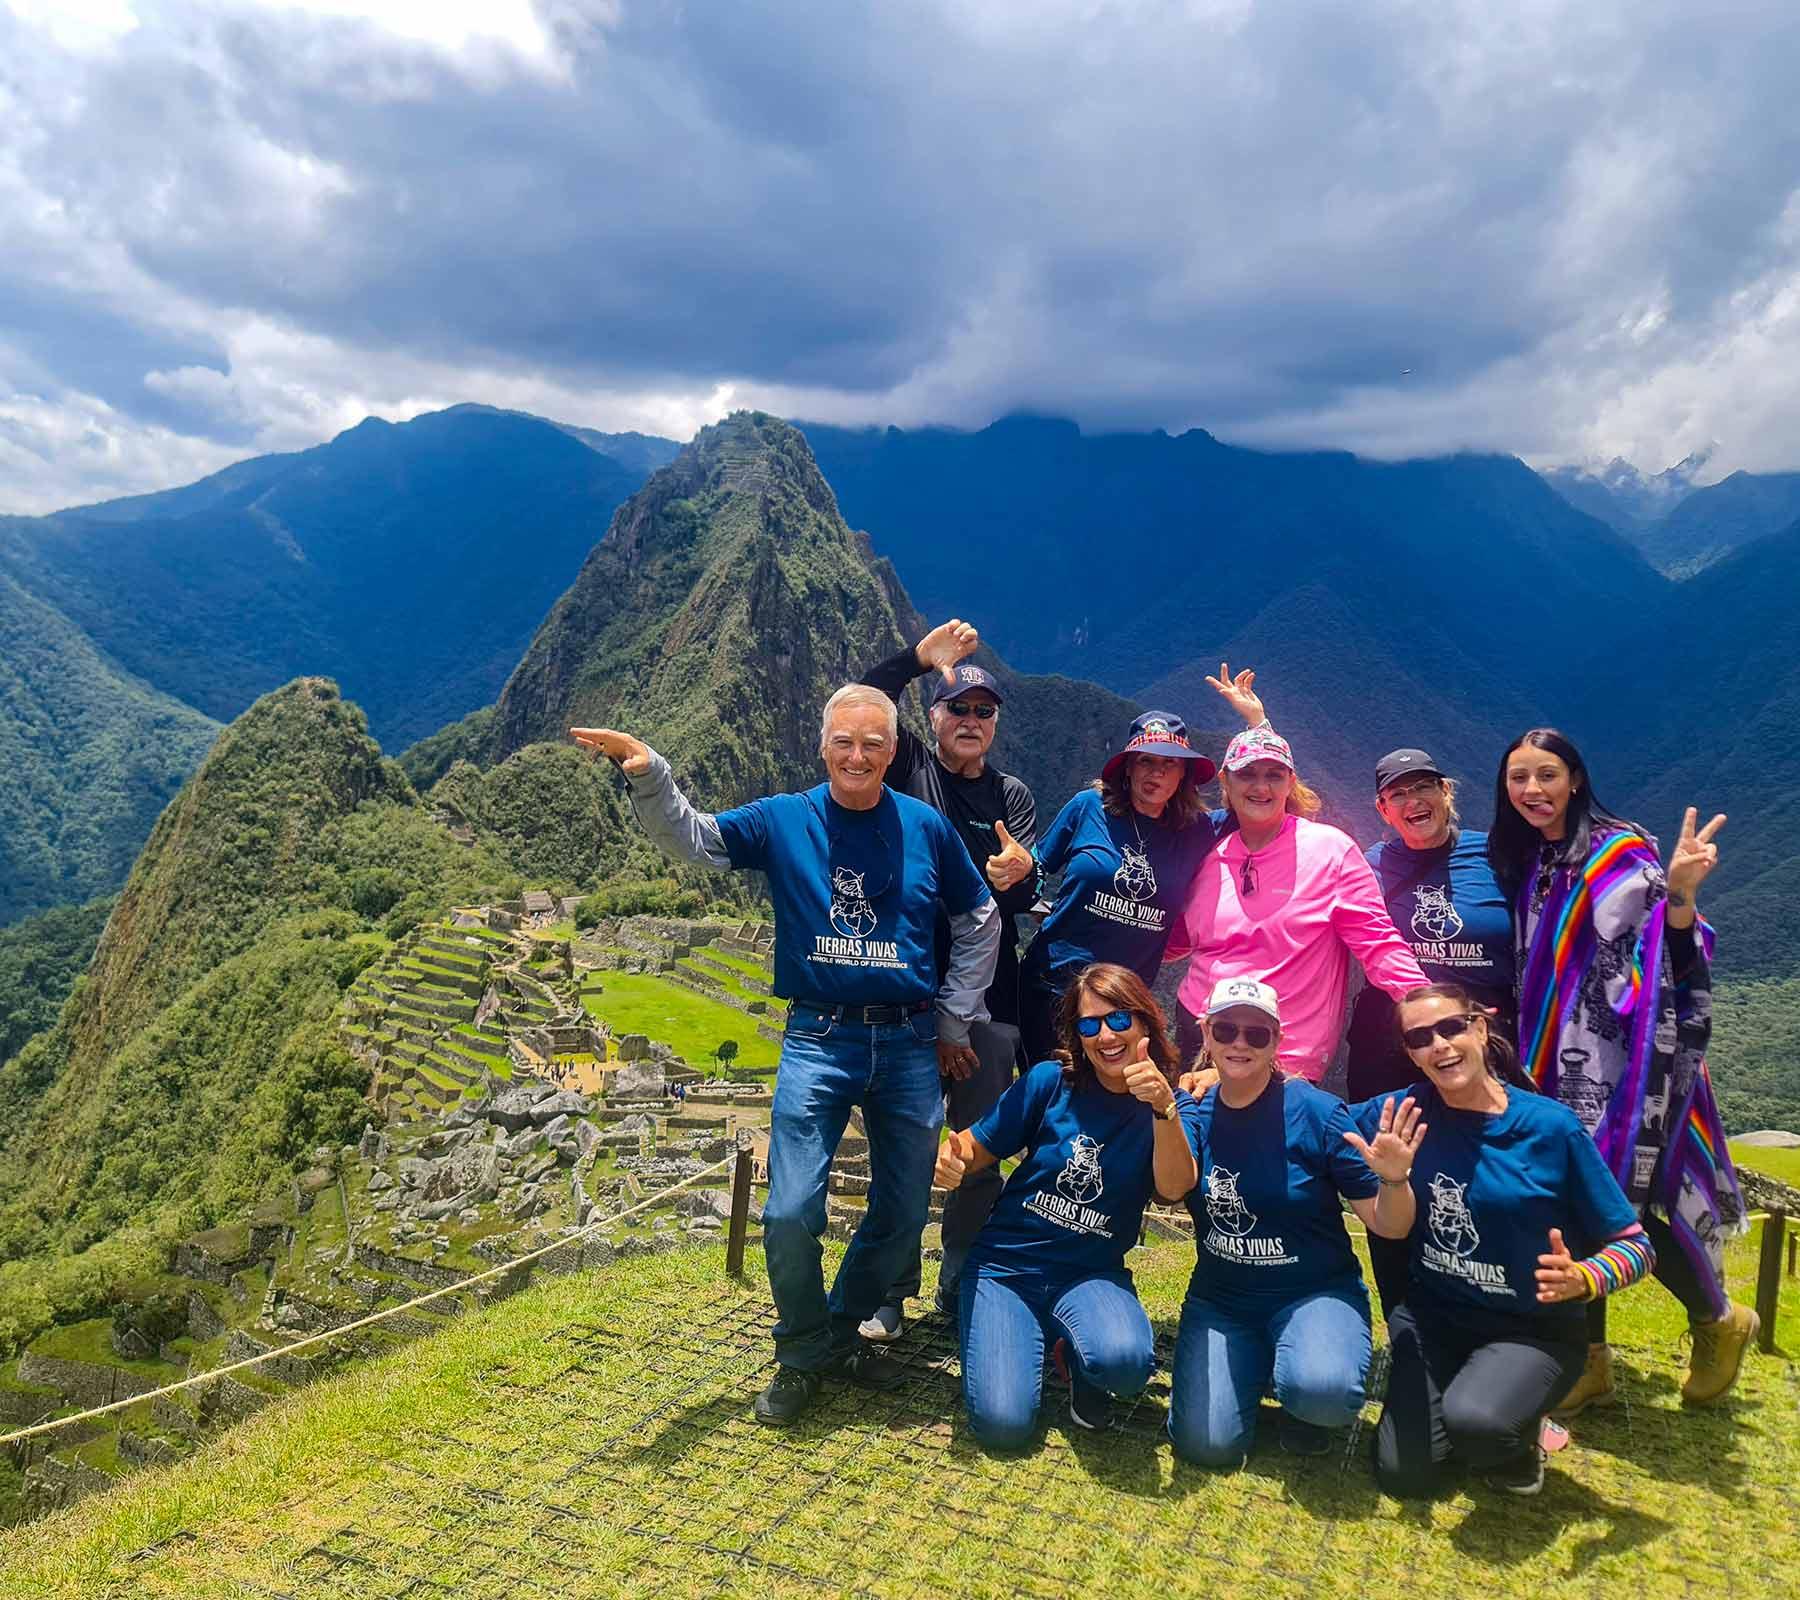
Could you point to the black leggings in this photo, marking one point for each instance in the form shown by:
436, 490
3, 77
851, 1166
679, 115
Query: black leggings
1465, 1395
1674, 1271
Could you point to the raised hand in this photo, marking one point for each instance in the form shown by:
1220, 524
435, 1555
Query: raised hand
1390, 1153
946, 644
1239, 693
1694, 856
1144, 1080
1011, 863
951, 1164
1558, 1278
633, 755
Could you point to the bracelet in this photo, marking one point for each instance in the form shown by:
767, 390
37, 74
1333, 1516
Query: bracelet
1397, 1183
1590, 1281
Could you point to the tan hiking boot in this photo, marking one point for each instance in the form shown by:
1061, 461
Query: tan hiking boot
1593, 1388
1718, 1355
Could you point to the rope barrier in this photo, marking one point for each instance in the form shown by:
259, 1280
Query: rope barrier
459, 1287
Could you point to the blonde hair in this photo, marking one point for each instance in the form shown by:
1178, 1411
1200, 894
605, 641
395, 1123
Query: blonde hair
848, 698
1303, 800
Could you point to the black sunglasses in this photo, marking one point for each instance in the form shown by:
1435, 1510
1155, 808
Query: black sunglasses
1443, 1028
1255, 1034
1118, 1021
979, 709
1247, 876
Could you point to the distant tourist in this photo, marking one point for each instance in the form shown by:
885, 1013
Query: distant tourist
1127, 850
1615, 1012
1287, 901
1443, 898
996, 818
1277, 1302
1097, 1131
1522, 1223
858, 876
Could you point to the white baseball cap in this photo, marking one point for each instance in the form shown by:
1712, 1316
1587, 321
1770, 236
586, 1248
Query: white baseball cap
1229, 992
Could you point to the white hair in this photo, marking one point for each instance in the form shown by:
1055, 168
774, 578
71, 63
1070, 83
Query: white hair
848, 698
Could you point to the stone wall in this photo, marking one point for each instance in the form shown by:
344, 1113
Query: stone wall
84, 1383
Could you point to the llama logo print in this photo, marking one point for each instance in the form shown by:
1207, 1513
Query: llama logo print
1434, 919
1080, 1178
1449, 1219
1134, 879
851, 914
1224, 1206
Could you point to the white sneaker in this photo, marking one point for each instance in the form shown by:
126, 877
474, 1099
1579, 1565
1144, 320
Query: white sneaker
885, 1326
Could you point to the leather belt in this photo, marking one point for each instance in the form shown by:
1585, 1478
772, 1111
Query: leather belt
872, 1016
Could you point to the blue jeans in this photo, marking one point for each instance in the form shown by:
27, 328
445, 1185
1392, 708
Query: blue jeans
828, 1066
1004, 1322
1314, 1351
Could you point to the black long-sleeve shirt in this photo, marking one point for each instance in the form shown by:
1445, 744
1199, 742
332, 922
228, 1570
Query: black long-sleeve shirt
972, 806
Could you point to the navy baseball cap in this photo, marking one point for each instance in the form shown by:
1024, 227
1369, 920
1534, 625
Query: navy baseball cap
1398, 764
968, 676
1158, 733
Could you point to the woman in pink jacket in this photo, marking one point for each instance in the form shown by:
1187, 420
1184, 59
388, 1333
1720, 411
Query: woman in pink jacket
1287, 901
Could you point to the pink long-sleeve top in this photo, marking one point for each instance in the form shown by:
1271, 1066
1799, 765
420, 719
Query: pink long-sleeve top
1316, 903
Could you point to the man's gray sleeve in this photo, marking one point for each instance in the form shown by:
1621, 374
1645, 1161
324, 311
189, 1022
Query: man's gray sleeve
974, 948
670, 821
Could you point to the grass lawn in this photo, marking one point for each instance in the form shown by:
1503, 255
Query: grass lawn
731, 958
592, 1436
689, 1023
1777, 1163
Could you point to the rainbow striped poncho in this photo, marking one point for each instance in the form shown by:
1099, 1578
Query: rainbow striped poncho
1605, 1027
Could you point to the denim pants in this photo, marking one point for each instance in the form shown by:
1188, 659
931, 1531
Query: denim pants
1004, 1323
827, 1067
1314, 1351
966, 1101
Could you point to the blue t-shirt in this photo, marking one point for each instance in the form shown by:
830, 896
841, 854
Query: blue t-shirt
1449, 908
1268, 1226
1490, 1186
1075, 1203
856, 892
1124, 881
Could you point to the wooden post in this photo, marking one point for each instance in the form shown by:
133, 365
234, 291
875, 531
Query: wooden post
1768, 1277
740, 1213
1793, 1252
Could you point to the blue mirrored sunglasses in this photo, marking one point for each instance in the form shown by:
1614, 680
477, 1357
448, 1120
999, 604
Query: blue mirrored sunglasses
1118, 1021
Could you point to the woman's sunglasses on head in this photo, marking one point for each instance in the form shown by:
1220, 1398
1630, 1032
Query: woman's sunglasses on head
1118, 1021
1255, 1034
1443, 1028
979, 709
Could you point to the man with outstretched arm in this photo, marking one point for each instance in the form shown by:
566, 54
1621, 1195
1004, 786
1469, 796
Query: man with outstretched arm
857, 875
995, 816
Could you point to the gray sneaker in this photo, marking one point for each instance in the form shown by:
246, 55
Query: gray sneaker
885, 1326
1523, 1475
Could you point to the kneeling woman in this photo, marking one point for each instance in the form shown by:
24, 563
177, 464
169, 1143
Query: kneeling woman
1098, 1133
1493, 1332
1277, 1297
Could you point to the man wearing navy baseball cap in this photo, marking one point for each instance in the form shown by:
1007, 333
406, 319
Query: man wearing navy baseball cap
996, 818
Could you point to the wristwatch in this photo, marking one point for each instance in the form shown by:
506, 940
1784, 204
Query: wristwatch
1169, 1115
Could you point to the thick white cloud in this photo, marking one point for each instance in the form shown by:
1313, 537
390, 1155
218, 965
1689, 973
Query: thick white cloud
1404, 226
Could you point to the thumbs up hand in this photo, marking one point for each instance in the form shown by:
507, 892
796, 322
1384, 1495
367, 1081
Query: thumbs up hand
1144, 1080
1558, 1278
1011, 863
951, 1164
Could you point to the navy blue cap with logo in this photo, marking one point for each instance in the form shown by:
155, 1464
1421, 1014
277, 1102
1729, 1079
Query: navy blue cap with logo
968, 676
1398, 764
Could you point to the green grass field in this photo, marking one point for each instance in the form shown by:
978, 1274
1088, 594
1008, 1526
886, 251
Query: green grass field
592, 1436
689, 1023
1777, 1163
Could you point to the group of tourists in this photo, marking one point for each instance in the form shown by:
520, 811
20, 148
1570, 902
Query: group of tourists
1526, 1127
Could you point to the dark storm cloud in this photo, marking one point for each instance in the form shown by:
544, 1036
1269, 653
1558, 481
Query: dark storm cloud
1253, 217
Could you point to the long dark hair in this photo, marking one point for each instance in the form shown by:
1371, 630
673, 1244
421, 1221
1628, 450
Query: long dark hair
1123, 989
1512, 841
1502, 1059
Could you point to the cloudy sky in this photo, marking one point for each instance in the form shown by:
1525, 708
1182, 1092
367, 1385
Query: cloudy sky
1564, 230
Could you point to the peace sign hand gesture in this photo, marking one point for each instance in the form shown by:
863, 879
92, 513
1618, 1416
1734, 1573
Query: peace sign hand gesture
632, 755
1694, 856
1558, 1278
1010, 863
1390, 1153
946, 645
1239, 693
